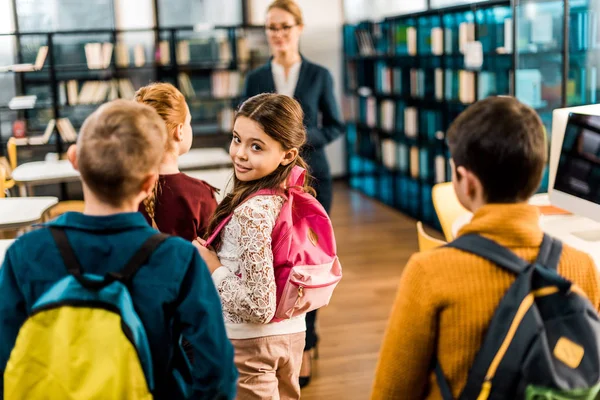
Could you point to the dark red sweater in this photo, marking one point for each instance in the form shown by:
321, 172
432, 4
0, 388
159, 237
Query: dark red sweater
184, 206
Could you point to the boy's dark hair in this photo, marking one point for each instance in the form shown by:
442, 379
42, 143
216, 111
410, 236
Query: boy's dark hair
503, 142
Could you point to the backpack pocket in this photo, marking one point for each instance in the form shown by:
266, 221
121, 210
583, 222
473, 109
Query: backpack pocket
308, 287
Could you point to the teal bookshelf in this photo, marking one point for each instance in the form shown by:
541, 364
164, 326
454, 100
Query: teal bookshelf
407, 80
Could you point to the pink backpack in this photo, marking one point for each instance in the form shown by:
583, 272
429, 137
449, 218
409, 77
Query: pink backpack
305, 263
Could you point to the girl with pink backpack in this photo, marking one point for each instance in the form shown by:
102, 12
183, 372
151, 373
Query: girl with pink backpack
275, 255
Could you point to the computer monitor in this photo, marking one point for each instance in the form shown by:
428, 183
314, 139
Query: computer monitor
560, 116
576, 185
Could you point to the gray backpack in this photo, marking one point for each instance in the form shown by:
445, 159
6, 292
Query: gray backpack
544, 338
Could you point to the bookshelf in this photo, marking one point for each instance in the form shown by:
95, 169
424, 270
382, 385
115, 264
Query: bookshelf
69, 73
406, 78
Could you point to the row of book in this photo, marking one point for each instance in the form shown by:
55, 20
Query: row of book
224, 84
40, 60
95, 92
391, 116
62, 125
584, 33
439, 84
418, 163
412, 40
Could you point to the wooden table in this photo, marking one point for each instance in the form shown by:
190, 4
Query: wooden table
21, 212
211, 158
43, 173
36, 173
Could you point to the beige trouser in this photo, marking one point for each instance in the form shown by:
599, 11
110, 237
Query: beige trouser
269, 366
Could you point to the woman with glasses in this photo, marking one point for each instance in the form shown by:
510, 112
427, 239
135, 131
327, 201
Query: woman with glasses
291, 74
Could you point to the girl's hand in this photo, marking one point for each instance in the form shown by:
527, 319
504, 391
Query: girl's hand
208, 255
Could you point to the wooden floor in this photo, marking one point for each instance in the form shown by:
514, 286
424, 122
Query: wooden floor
374, 243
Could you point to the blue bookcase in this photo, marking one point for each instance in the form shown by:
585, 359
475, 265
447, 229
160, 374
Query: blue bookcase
407, 79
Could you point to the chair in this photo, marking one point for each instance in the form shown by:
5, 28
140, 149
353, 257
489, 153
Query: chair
2, 182
11, 151
447, 207
63, 207
427, 242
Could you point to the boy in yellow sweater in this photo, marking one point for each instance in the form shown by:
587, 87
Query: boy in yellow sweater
446, 297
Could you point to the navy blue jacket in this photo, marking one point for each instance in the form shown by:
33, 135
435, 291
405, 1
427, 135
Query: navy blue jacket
314, 91
173, 294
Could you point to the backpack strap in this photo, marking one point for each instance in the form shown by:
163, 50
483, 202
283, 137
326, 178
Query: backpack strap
442, 382
550, 251
261, 192
491, 251
139, 259
125, 275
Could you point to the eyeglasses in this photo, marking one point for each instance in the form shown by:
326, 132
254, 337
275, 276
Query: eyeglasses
285, 29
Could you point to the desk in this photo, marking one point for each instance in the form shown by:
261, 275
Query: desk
212, 158
42, 173
219, 178
4, 245
61, 171
558, 226
21, 212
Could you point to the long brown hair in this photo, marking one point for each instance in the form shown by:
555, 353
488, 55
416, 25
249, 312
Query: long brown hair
281, 117
171, 106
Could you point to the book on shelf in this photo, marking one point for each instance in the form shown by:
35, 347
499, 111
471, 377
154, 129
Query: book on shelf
66, 130
542, 28
414, 162
437, 41
185, 85
225, 118
126, 89
439, 84
411, 37
72, 92
403, 158
466, 34
225, 84
22, 102
486, 85
183, 52
225, 51
424, 172
139, 55
40, 139
40, 59
387, 116
164, 55
466, 84
98, 55
411, 122
371, 117
243, 50
349, 106
448, 48
122, 55
529, 87
440, 169
388, 153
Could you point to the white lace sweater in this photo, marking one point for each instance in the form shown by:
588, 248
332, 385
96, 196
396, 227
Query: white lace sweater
245, 281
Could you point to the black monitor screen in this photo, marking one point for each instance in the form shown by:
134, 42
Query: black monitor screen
578, 172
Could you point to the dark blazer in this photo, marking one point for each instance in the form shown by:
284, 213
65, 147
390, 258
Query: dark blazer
314, 91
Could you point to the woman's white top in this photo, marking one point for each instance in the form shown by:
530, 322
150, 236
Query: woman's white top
283, 85
246, 281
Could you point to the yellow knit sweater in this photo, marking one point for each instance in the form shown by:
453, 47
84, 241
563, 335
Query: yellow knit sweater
446, 300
